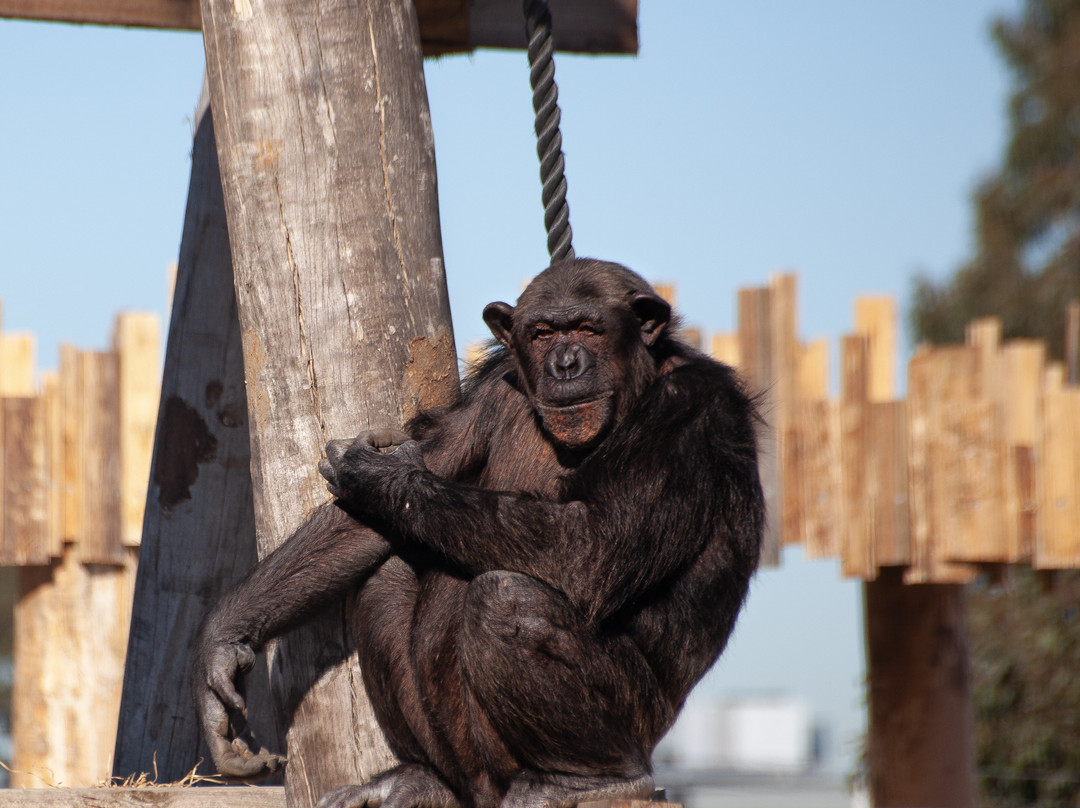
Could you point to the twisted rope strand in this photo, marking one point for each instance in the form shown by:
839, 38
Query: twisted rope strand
548, 136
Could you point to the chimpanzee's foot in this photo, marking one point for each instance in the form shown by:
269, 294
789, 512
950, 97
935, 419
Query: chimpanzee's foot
538, 790
409, 785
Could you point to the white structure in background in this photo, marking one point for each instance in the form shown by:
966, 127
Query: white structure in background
767, 734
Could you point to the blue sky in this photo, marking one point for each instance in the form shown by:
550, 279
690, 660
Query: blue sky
838, 139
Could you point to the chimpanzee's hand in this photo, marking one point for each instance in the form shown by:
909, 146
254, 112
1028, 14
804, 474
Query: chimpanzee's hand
352, 468
216, 685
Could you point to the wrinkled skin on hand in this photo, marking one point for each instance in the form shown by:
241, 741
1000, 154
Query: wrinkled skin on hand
217, 684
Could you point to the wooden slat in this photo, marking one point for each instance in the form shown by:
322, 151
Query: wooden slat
70, 477
54, 458
813, 371
938, 381
855, 513
885, 430
876, 318
784, 344
202, 797
887, 484
99, 540
17, 365
136, 341
756, 354
1059, 478
25, 478
1020, 394
812, 478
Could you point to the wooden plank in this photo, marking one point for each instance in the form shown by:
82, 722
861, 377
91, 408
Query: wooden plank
1058, 545
1020, 394
936, 432
99, 539
756, 355
162, 797
783, 291
876, 318
202, 797
920, 739
199, 529
887, 484
885, 462
136, 342
857, 547
446, 26
812, 482
17, 365
54, 459
25, 478
71, 477
813, 371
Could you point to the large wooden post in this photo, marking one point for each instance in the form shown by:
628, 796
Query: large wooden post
327, 162
921, 738
199, 528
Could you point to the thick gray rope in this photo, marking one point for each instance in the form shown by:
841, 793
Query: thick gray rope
548, 137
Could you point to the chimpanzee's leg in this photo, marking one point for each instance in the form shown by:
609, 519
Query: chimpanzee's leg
382, 625
580, 709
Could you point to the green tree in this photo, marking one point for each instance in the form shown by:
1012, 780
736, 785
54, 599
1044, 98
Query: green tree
1025, 637
1027, 260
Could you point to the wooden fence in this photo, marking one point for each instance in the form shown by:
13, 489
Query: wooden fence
75, 451
979, 464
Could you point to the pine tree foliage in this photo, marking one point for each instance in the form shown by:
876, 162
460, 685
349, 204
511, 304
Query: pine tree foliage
1027, 261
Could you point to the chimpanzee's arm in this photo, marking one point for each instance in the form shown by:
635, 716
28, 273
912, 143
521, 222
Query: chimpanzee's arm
679, 472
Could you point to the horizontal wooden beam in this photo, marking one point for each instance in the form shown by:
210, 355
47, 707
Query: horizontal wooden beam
446, 26
201, 797
163, 797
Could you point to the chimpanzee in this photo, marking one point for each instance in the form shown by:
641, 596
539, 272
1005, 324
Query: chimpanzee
543, 570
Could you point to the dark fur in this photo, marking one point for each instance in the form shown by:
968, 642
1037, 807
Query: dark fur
531, 616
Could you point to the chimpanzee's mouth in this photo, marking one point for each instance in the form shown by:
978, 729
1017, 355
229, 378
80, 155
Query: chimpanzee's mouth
577, 424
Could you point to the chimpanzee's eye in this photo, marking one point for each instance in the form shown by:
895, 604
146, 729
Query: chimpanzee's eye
543, 331
589, 328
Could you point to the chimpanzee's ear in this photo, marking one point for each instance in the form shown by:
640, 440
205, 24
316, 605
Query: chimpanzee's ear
653, 312
499, 317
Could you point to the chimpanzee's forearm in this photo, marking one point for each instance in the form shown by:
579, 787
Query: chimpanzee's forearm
322, 561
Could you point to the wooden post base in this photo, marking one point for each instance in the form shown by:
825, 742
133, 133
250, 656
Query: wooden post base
921, 739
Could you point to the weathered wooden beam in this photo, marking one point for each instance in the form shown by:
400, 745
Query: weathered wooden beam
201, 797
330, 192
158, 797
198, 535
446, 26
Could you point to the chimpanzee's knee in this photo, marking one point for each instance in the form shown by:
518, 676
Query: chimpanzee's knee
517, 614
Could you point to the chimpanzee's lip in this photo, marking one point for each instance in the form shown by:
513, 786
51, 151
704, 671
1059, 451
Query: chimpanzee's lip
572, 403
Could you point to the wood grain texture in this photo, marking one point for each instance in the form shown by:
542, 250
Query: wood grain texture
198, 537
327, 162
99, 431
136, 343
25, 476
202, 797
